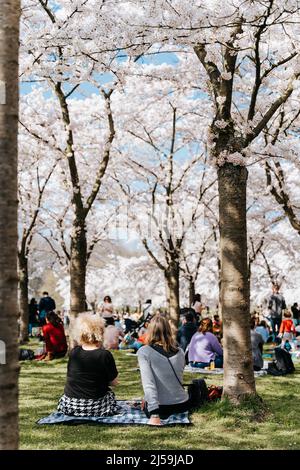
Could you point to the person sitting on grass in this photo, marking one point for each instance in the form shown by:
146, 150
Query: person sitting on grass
161, 364
205, 347
91, 371
54, 336
257, 346
263, 330
112, 335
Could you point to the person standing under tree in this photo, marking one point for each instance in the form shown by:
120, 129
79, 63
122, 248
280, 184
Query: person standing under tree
296, 314
198, 307
47, 304
276, 306
107, 308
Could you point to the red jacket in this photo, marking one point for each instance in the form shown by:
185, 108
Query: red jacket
287, 326
55, 338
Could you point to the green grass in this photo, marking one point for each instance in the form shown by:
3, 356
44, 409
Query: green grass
215, 426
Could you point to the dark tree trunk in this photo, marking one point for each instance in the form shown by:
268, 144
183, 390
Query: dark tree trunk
172, 280
9, 368
192, 291
78, 268
238, 366
23, 297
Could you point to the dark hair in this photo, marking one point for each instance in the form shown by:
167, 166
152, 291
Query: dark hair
33, 301
189, 317
287, 314
216, 317
252, 323
108, 298
54, 319
197, 298
110, 321
205, 325
45, 293
148, 301
263, 323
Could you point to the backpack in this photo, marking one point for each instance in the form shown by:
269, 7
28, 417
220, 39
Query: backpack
284, 361
26, 354
282, 365
198, 392
273, 370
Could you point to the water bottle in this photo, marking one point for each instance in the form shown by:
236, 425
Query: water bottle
212, 365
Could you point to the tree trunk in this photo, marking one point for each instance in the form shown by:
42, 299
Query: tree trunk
78, 263
23, 297
192, 291
238, 366
9, 368
172, 282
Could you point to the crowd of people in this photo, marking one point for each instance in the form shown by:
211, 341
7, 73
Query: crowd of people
162, 357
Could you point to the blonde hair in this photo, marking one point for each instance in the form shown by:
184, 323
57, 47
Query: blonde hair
206, 325
160, 333
89, 329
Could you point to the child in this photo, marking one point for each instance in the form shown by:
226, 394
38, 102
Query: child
287, 328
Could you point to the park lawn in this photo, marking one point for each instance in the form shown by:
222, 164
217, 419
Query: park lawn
214, 426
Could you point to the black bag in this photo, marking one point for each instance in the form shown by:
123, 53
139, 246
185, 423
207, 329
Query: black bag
284, 361
26, 354
273, 370
198, 392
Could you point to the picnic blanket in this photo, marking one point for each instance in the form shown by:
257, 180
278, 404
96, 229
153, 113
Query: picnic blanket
130, 413
216, 371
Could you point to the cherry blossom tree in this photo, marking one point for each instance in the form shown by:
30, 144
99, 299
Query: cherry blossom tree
35, 172
244, 65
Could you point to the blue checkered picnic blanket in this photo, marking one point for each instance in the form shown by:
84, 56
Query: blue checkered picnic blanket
129, 415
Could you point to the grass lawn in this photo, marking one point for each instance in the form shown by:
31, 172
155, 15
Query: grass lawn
215, 426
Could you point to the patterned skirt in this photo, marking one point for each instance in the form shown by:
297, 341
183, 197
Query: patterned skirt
104, 406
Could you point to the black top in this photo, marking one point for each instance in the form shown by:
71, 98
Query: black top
185, 334
296, 312
47, 304
89, 373
161, 350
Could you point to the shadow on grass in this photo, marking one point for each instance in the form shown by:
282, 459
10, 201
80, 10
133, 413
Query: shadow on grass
274, 425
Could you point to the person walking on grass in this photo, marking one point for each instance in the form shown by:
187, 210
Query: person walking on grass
287, 329
276, 307
47, 304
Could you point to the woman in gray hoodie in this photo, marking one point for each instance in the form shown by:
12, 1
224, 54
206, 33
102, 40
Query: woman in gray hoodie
161, 364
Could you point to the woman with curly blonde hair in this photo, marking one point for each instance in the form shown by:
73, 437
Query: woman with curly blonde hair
91, 372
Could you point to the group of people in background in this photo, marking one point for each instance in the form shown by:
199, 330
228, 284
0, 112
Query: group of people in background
162, 357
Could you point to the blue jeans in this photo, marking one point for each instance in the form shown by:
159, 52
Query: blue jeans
201, 365
275, 322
